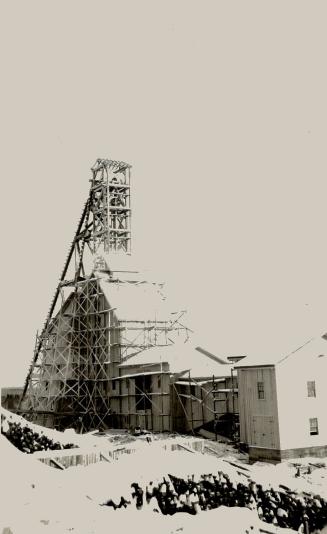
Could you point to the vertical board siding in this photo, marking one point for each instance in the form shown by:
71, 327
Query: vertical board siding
258, 417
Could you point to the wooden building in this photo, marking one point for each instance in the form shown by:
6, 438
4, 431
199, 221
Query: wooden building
283, 399
111, 352
10, 398
178, 387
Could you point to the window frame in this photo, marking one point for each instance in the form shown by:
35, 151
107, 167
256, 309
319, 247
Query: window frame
261, 390
311, 389
314, 426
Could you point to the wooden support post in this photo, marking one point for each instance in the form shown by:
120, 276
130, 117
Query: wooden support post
233, 404
128, 402
202, 405
171, 402
120, 400
191, 401
214, 404
178, 397
162, 398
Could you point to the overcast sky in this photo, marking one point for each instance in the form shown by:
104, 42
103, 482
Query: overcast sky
221, 109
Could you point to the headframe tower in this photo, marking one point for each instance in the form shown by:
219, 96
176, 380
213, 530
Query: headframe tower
103, 228
86, 335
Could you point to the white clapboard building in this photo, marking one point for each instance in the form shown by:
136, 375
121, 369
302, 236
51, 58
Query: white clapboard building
283, 402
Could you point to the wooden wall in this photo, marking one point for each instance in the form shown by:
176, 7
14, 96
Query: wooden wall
126, 405
258, 417
295, 407
10, 398
193, 405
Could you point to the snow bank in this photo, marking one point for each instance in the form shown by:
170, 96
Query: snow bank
284, 473
102, 481
40, 499
32, 491
55, 435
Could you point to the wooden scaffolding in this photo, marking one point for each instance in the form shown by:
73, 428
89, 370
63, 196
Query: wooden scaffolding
197, 402
84, 339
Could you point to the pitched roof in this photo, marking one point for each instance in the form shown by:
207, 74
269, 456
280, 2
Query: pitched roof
138, 301
181, 357
310, 348
125, 267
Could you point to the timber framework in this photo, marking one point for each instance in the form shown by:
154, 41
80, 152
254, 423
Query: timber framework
111, 352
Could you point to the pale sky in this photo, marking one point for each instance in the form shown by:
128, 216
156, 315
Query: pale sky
220, 107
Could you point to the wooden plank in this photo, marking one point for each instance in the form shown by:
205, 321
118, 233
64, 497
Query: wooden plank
236, 465
185, 447
57, 464
104, 457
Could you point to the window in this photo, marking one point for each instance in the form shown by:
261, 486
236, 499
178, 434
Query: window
313, 426
311, 385
261, 390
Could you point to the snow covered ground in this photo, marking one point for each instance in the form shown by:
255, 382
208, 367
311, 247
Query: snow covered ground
40, 499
